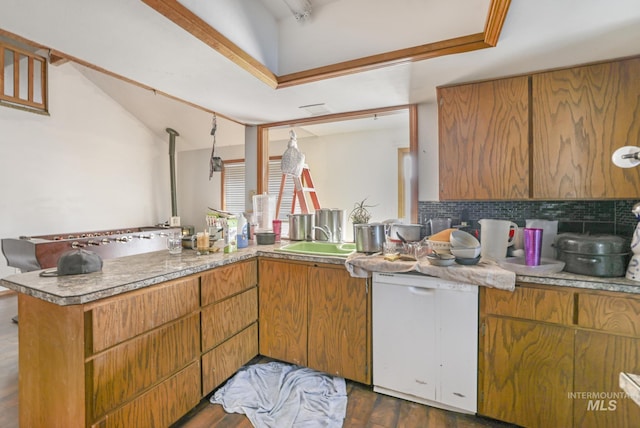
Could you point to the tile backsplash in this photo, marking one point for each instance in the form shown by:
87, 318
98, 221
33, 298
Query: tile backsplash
609, 217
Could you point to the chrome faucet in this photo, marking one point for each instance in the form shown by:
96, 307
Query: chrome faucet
326, 231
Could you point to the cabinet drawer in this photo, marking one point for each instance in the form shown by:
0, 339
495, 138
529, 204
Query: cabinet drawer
616, 314
555, 306
222, 320
134, 313
223, 361
125, 370
226, 281
162, 405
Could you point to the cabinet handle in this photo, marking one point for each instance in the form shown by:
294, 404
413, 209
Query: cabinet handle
422, 291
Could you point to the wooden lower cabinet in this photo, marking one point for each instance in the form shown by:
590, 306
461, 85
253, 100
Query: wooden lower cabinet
315, 315
224, 360
528, 373
162, 405
138, 359
600, 357
283, 310
552, 356
229, 320
140, 362
337, 339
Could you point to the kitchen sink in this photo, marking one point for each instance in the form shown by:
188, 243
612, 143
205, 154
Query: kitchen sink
316, 248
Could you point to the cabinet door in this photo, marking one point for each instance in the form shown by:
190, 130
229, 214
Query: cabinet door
338, 323
527, 373
484, 140
282, 310
162, 405
581, 115
600, 357
223, 361
126, 370
226, 318
225, 281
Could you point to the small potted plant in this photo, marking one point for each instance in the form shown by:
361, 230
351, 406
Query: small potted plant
360, 213
369, 238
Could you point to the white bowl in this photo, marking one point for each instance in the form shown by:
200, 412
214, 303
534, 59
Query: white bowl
460, 238
442, 260
466, 253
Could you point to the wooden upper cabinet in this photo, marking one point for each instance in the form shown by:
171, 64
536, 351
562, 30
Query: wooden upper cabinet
581, 115
484, 140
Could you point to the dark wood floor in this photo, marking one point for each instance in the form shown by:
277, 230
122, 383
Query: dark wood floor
8, 362
365, 408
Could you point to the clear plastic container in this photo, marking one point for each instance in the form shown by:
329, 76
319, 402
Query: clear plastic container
264, 211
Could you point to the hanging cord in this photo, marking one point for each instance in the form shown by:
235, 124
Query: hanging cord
212, 162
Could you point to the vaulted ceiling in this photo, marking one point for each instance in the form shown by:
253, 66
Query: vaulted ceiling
253, 62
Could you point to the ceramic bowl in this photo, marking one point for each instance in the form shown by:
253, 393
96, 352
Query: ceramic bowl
265, 238
466, 261
466, 253
441, 259
460, 238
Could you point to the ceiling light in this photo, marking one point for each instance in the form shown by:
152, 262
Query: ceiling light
301, 9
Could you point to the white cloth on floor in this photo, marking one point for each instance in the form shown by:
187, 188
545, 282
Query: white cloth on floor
279, 395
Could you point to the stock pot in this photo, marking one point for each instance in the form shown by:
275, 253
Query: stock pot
369, 237
301, 227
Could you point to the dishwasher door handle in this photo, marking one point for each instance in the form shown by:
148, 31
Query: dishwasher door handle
421, 290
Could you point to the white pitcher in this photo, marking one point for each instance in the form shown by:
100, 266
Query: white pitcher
495, 237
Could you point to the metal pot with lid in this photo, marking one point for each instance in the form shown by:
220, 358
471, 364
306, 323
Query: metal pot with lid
594, 255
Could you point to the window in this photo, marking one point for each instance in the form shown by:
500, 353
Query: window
233, 188
23, 81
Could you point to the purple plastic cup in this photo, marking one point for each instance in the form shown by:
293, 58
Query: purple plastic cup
532, 246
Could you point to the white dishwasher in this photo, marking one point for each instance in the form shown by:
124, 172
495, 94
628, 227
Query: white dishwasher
425, 340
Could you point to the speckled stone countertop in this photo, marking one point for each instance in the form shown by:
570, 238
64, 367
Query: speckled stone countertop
565, 279
129, 273
134, 272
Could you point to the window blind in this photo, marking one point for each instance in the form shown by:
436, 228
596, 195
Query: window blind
234, 188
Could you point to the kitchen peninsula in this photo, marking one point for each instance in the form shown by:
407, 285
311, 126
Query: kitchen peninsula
185, 323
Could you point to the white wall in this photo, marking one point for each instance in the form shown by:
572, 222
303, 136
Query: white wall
196, 193
346, 168
89, 165
428, 153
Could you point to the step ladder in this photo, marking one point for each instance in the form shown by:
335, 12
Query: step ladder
301, 186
